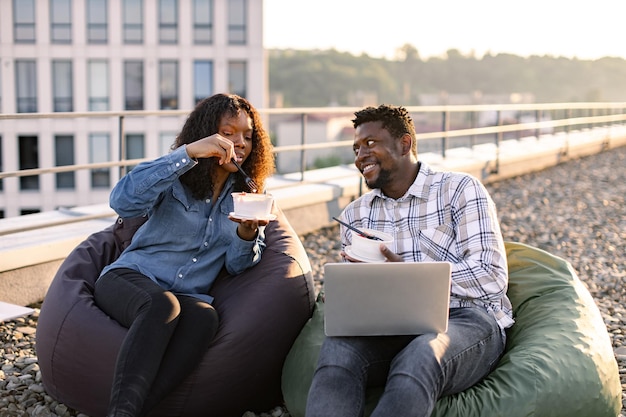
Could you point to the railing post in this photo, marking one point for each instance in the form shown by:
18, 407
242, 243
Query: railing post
537, 119
303, 121
472, 126
499, 137
122, 142
445, 127
568, 115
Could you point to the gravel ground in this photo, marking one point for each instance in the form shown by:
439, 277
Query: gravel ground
575, 210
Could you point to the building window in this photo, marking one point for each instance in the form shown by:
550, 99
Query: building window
237, 18
62, 86
63, 156
237, 73
166, 140
203, 21
61, 21
99, 151
133, 21
133, 85
29, 159
24, 21
168, 84
97, 21
1, 170
134, 147
26, 86
98, 73
168, 21
202, 80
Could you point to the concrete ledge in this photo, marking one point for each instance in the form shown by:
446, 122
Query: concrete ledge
29, 259
29, 284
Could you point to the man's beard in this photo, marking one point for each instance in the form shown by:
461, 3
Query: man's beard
384, 178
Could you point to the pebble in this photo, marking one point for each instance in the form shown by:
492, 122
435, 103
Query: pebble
575, 210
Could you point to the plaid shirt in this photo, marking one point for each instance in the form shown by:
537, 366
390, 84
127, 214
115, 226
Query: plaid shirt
444, 216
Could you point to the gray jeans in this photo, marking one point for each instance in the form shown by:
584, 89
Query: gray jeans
414, 370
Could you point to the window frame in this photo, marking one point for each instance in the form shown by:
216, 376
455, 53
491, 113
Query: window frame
26, 85
202, 27
98, 23
24, 22
132, 27
97, 102
60, 101
237, 22
61, 26
168, 27
64, 180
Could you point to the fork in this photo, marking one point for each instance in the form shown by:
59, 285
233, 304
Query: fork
361, 232
249, 181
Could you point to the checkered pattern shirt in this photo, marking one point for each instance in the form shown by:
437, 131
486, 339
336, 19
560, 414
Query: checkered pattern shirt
444, 216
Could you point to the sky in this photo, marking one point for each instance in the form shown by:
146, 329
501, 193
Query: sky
580, 29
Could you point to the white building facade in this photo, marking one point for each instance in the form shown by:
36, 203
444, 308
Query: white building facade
64, 57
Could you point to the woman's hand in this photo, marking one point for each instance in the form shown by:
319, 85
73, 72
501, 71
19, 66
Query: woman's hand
248, 228
214, 146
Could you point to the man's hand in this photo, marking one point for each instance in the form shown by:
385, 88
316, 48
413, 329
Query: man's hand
387, 253
391, 257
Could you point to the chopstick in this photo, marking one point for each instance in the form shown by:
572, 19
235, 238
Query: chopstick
362, 233
249, 181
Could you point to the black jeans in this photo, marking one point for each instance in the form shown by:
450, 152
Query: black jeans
167, 336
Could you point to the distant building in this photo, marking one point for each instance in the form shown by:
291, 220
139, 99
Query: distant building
486, 118
112, 55
320, 129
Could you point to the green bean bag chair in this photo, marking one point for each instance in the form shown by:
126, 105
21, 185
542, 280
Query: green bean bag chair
558, 360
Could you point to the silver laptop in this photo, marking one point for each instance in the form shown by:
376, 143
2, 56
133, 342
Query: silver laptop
386, 298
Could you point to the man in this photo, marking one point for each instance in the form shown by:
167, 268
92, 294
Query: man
433, 216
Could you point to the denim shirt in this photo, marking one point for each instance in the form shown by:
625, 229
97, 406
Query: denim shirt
185, 242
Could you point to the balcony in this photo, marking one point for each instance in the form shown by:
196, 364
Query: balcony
489, 142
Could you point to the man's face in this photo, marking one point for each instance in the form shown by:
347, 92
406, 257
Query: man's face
377, 155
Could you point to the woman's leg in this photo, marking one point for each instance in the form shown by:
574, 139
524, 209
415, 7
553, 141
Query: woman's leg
151, 314
197, 326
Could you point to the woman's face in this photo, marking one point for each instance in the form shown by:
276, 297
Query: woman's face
237, 129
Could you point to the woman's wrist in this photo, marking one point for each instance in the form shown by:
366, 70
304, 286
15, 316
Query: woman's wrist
247, 233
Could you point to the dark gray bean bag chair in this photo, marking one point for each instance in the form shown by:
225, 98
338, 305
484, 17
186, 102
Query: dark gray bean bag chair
261, 313
558, 360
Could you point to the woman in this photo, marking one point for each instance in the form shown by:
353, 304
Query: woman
159, 286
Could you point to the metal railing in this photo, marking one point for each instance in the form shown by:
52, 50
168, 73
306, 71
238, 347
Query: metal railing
442, 125
574, 115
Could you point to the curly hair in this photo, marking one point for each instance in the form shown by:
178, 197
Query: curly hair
395, 119
204, 121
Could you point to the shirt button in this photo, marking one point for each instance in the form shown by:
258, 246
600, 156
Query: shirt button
177, 164
206, 243
180, 275
207, 201
397, 229
184, 161
210, 219
194, 260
